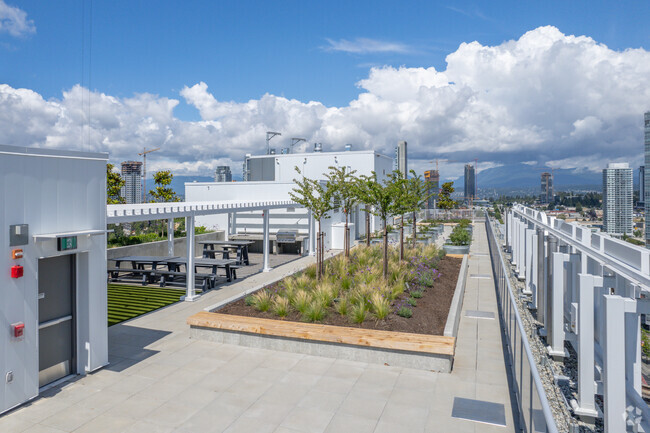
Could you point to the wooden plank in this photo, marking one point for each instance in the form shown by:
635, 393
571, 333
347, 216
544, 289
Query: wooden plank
433, 344
456, 256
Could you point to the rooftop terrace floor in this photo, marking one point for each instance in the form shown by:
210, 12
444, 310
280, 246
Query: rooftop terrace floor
160, 380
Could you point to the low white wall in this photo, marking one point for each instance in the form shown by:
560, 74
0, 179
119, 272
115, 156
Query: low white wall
159, 248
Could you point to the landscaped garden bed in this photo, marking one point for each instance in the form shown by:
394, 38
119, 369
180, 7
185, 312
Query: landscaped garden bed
415, 299
404, 317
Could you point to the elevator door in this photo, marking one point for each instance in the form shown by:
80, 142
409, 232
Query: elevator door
56, 308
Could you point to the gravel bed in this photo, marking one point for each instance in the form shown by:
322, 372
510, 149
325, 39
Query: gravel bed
561, 392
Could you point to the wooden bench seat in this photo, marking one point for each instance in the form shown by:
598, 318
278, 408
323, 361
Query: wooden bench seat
434, 344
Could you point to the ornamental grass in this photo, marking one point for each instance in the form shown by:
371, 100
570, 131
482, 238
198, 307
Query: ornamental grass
355, 288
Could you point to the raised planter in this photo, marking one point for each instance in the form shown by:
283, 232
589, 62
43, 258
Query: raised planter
402, 349
456, 249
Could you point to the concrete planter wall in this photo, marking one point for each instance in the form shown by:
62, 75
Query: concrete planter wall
456, 249
212, 326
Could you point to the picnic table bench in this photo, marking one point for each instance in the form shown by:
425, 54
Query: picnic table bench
137, 268
241, 247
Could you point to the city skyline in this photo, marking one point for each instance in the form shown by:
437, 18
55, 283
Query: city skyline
372, 88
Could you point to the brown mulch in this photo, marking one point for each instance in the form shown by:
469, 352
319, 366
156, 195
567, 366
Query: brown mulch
429, 317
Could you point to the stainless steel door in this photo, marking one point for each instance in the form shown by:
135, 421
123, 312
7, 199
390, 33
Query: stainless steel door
56, 307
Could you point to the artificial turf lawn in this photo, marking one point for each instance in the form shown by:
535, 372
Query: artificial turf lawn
127, 302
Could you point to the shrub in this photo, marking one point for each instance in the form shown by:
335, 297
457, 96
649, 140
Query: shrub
464, 223
405, 312
380, 305
315, 311
262, 300
249, 300
412, 302
280, 306
417, 294
359, 312
459, 236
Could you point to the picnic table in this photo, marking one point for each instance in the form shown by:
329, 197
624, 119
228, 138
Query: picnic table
241, 247
137, 268
230, 266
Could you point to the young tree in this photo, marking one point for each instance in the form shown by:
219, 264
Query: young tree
341, 182
163, 193
114, 184
444, 196
381, 195
316, 197
402, 205
418, 196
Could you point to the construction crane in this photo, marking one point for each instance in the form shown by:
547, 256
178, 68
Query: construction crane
144, 169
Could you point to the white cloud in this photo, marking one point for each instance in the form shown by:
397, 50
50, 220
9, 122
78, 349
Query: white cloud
14, 21
563, 101
366, 46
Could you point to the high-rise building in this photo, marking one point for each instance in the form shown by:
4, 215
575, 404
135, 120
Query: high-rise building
641, 186
646, 186
546, 195
223, 174
470, 182
401, 159
132, 175
617, 199
432, 178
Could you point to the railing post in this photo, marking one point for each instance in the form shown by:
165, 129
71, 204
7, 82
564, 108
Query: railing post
541, 277
614, 365
530, 261
556, 335
551, 247
585, 407
521, 260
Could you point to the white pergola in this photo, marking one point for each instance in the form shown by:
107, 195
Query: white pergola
123, 213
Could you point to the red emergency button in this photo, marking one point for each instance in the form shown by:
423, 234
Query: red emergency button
17, 329
16, 271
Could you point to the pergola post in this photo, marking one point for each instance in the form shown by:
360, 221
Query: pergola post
265, 267
312, 235
170, 237
189, 226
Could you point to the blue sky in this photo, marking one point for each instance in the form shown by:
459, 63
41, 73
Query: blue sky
307, 51
244, 49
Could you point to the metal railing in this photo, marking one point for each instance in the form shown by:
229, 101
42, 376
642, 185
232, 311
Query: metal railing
588, 291
534, 409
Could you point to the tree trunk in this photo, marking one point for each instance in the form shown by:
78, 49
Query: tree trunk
385, 250
346, 238
367, 225
318, 252
415, 231
401, 239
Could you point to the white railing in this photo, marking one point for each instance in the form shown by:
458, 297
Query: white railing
587, 290
535, 414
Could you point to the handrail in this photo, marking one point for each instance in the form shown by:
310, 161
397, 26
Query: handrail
551, 426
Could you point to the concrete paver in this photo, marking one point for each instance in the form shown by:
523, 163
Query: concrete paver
160, 380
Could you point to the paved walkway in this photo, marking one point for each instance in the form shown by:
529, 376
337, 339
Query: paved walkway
160, 380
